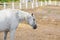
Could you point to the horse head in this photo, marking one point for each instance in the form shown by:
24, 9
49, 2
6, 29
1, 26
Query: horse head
32, 21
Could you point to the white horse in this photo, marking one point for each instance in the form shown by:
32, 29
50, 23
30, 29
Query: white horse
10, 18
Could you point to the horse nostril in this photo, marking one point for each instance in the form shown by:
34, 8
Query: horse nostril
35, 26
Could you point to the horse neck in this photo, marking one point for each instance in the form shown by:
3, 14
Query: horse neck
25, 14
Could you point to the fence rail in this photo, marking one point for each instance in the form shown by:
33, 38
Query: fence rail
28, 5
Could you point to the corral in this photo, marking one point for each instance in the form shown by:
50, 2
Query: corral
48, 21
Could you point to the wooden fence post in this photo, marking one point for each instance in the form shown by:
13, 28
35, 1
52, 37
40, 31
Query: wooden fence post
33, 4
55, 2
49, 2
41, 3
13, 4
36, 3
45, 2
20, 4
26, 4
4, 5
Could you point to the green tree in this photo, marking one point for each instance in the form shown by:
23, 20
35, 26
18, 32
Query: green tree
8, 0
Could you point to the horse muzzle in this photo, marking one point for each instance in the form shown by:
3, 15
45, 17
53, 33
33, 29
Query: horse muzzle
35, 26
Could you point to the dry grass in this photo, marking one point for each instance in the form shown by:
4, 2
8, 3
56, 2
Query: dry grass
48, 21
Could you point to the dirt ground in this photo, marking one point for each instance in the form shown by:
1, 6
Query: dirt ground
48, 22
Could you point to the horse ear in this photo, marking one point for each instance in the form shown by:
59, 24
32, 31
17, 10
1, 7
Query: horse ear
32, 14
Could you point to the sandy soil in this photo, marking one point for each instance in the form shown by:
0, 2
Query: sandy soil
48, 22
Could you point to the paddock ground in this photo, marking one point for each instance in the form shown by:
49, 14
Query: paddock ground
48, 22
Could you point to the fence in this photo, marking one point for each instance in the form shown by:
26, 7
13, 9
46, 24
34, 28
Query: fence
33, 4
